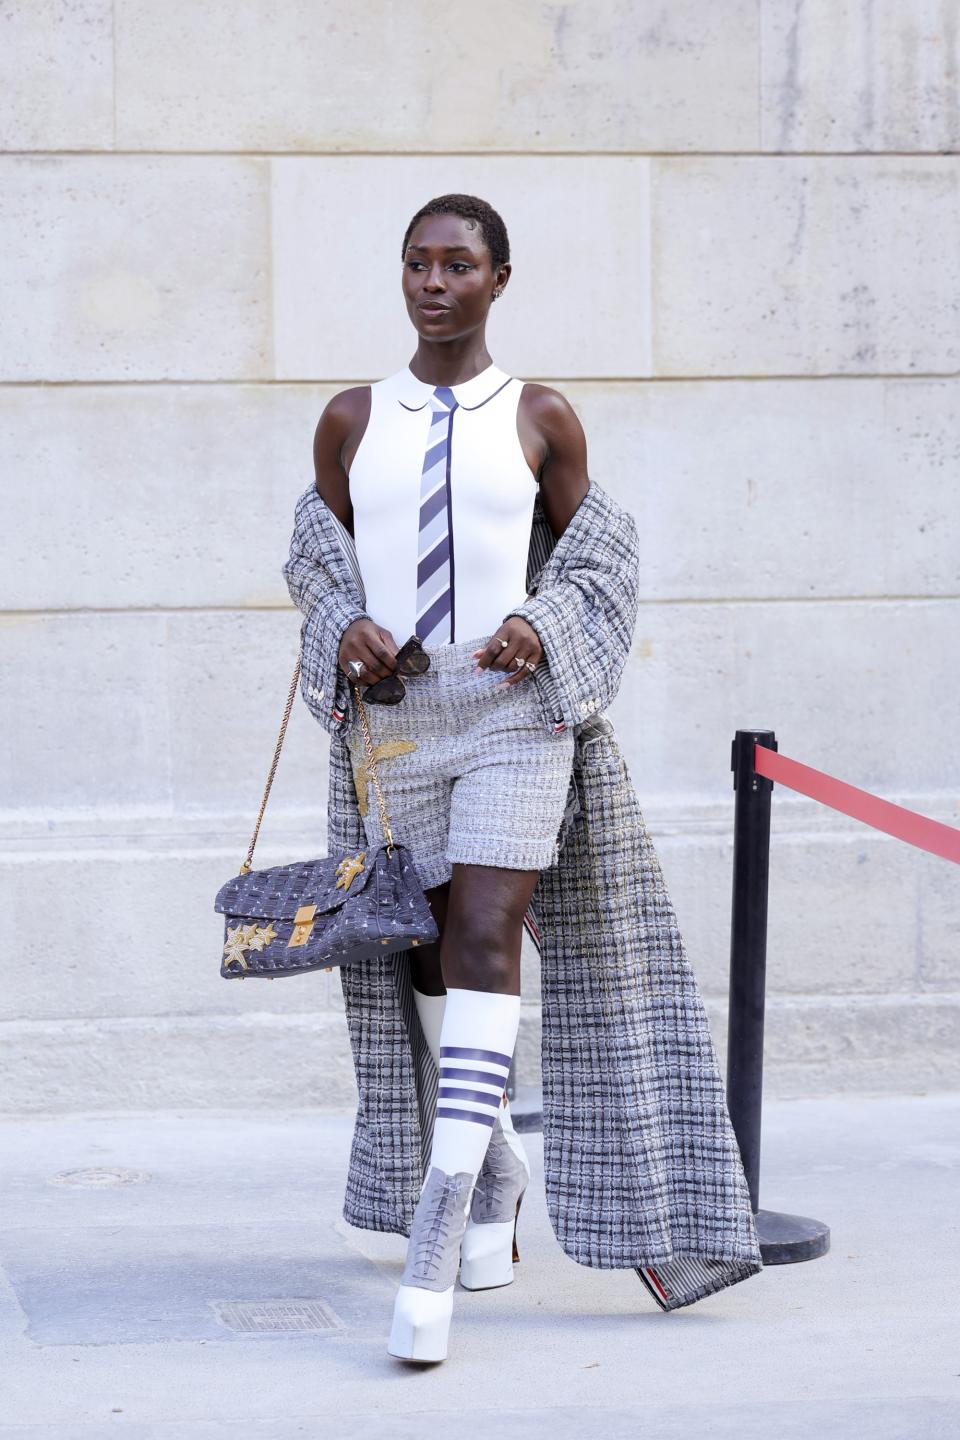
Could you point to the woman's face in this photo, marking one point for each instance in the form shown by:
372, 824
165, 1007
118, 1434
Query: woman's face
447, 267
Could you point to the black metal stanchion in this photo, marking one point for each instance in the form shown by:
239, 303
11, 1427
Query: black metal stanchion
783, 1238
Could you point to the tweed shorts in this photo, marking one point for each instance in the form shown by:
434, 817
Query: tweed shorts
470, 773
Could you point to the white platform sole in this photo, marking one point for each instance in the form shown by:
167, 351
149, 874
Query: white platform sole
421, 1323
486, 1256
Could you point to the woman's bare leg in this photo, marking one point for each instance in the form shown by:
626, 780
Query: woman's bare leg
483, 928
480, 962
430, 990
483, 907
425, 969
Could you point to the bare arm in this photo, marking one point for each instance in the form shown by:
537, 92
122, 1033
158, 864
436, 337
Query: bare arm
338, 434
550, 428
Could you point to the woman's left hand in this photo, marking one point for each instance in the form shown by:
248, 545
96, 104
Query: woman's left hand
522, 640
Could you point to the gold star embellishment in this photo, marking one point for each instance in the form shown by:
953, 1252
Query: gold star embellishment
263, 936
386, 750
237, 942
247, 937
348, 869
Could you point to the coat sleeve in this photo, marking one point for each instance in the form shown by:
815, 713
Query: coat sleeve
316, 578
585, 617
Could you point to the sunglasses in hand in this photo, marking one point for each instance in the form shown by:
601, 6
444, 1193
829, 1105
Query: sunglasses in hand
412, 659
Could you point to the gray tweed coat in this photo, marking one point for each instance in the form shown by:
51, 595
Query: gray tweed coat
641, 1164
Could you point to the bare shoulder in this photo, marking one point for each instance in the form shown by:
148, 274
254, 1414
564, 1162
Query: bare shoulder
555, 435
547, 407
348, 402
339, 431
341, 414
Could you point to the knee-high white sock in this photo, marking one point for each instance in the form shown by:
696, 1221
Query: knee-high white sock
430, 1008
477, 1040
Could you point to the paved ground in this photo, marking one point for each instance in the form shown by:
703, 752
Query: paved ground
122, 1303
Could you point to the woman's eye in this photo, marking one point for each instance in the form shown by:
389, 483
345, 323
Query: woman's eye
455, 265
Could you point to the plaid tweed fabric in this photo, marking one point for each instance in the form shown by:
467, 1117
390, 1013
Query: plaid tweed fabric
507, 805
641, 1165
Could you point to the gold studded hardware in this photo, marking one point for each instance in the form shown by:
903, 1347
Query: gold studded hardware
302, 925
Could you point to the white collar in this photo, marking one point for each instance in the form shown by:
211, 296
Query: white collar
413, 393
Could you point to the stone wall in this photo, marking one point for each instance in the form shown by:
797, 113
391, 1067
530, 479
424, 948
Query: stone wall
735, 233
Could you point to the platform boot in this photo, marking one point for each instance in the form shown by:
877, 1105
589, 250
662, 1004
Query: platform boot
489, 1249
424, 1303
477, 1038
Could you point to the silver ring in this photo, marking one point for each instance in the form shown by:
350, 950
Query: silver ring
356, 666
503, 642
530, 664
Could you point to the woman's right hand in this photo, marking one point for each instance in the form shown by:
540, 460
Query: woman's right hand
365, 640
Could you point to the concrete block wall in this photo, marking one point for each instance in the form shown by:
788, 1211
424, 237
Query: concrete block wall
736, 245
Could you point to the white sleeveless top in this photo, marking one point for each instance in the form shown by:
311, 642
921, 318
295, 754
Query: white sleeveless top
492, 493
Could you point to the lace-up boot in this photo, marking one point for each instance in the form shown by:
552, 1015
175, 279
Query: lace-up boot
424, 1303
489, 1247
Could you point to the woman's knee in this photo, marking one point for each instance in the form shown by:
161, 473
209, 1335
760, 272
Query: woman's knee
482, 953
497, 973
484, 927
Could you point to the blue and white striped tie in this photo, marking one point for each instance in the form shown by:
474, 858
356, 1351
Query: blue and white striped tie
435, 550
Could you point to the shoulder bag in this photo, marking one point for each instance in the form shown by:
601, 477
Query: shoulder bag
314, 914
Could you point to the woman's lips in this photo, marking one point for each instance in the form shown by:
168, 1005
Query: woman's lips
433, 309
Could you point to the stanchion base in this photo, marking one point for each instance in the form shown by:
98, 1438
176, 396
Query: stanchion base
785, 1239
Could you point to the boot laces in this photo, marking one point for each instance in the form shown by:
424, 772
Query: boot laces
441, 1204
494, 1178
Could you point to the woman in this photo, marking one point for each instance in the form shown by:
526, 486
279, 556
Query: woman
434, 471
641, 1165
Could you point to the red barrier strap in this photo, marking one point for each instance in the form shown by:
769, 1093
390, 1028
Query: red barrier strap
883, 815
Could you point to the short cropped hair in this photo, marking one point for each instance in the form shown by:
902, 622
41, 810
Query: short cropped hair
468, 207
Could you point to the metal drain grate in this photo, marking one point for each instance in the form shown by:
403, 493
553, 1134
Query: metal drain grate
97, 1177
272, 1317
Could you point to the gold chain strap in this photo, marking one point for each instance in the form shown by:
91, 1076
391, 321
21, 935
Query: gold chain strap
372, 767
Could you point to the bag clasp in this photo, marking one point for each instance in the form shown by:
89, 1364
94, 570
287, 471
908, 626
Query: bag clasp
302, 925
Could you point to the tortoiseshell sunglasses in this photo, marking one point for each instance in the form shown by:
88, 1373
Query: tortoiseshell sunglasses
412, 659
